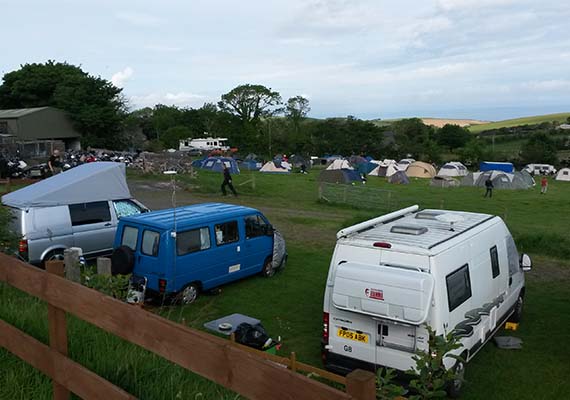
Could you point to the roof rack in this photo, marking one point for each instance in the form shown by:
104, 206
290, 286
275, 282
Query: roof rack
376, 221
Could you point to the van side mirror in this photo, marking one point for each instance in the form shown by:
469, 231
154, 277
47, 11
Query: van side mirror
526, 263
269, 230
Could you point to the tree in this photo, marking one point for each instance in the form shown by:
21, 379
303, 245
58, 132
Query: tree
250, 102
453, 136
171, 138
95, 106
297, 109
540, 148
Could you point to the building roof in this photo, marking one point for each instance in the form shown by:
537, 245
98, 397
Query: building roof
422, 231
189, 216
20, 112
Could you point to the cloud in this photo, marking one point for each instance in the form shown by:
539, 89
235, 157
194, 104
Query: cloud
163, 48
553, 85
139, 19
120, 78
170, 99
458, 5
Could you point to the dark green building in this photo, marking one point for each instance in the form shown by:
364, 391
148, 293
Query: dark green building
39, 124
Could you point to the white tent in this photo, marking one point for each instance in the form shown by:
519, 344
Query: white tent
271, 168
340, 164
563, 175
405, 163
384, 170
453, 168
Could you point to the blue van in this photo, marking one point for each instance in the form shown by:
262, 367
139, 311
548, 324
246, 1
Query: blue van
186, 250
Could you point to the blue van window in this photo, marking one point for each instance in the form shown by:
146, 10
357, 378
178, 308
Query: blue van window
226, 233
129, 238
254, 226
192, 241
150, 241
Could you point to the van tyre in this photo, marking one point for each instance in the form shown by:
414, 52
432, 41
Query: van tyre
268, 271
517, 313
122, 261
52, 256
455, 387
188, 295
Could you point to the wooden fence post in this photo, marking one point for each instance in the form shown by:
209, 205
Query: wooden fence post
361, 385
71, 260
57, 330
293, 361
103, 266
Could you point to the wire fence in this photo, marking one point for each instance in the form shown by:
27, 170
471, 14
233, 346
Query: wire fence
361, 196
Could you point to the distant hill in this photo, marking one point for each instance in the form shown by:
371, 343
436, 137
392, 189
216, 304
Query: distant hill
437, 122
561, 117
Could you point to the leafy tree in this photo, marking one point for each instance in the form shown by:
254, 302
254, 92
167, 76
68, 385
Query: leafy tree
540, 148
453, 136
297, 109
472, 153
250, 102
411, 136
94, 105
171, 138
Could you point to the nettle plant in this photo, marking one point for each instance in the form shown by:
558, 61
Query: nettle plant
112, 285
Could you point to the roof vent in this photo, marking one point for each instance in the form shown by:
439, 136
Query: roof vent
429, 215
409, 229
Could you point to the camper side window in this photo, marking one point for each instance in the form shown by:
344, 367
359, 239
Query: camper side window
129, 238
254, 226
458, 287
89, 213
226, 233
513, 256
495, 262
192, 241
150, 241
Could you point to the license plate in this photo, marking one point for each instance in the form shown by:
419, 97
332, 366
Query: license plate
348, 334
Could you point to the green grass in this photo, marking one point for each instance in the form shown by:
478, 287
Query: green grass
290, 304
561, 117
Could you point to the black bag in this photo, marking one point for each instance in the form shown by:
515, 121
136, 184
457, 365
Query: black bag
251, 335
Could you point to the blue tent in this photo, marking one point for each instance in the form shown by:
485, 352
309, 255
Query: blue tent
496, 166
216, 164
198, 162
250, 165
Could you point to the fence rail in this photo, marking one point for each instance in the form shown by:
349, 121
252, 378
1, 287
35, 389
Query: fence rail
360, 196
217, 359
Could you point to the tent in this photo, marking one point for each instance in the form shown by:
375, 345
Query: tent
526, 177
100, 181
384, 171
470, 179
443, 182
399, 177
563, 175
362, 164
250, 165
502, 180
453, 168
271, 167
296, 161
339, 176
216, 164
496, 166
405, 163
419, 169
339, 164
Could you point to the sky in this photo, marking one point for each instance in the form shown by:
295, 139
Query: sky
483, 59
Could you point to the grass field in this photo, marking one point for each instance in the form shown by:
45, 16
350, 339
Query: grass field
561, 117
290, 304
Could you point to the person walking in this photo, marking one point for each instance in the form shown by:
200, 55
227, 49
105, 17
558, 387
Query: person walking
543, 185
489, 187
54, 163
227, 182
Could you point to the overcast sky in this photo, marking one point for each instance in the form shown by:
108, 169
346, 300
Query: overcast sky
487, 59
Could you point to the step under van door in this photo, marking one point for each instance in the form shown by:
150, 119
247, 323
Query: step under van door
395, 344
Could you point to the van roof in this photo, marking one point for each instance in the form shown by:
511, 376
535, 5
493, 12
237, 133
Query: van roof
189, 216
420, 232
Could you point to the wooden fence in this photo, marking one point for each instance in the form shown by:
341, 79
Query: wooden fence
249, 373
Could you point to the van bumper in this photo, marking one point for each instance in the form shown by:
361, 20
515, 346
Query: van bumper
343, 365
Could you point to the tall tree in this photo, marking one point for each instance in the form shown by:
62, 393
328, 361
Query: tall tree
250, 102
453, 136
540, 148
95, 105
296, 111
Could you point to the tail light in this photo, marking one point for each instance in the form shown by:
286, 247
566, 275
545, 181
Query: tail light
325, 328
23, 248
162, 285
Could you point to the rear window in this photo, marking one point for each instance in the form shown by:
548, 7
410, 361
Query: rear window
150, 242
89, 213
226, 233
130, 237
458, 287
192, 241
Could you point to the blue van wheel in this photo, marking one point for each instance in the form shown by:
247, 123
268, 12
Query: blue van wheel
188, 295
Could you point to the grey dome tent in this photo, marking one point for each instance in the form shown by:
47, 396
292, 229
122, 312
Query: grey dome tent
399, 177
339, 176
502, 180
470, 179
443, 182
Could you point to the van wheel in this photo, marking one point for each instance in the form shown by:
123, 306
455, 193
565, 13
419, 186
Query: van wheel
517, 314
52, 256
268, 271
455, 387
188, 295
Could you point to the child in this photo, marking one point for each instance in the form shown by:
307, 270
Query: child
543, 185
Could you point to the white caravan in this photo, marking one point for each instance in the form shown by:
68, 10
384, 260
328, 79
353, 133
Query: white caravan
392, 276
540, 169
204, 144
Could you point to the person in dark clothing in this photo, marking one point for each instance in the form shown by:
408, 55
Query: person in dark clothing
489, 187
227, 182
54, 163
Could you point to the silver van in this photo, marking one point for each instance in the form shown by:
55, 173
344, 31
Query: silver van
78, 208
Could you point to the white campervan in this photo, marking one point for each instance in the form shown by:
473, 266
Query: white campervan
391, 276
